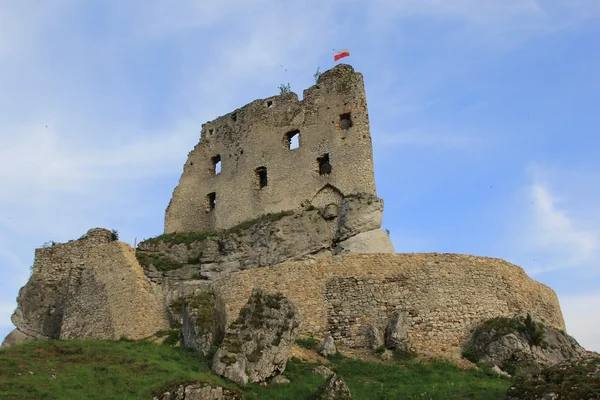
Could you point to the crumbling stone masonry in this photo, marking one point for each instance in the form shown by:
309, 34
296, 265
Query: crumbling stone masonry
443, 295
90, 288
245, 164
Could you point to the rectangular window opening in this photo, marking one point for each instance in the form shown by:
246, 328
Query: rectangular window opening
292, 139
211, 201
345, 121
324, 165
261, 177
216, 164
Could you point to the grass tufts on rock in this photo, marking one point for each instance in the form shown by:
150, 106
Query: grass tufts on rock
159, 261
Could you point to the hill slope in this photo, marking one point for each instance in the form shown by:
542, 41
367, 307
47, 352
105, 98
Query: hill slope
98, 369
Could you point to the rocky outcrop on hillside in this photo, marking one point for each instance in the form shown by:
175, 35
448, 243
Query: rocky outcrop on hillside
200, 391
396, 332
90, 288
569, 380
203, 322
520, 345
313, 232
335, 389
257, 344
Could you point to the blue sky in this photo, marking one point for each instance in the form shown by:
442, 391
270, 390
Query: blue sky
484, 117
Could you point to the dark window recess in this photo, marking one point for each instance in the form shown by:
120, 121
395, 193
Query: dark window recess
234, 117
345, 121
216, 164
269, 104
261, 177
292, 139
211, 201
211, 131
324, 165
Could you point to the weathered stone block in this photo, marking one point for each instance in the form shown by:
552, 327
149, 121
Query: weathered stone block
375, 241
257, 344
203, 322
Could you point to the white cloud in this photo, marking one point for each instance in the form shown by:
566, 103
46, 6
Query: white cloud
582, 317
559, 235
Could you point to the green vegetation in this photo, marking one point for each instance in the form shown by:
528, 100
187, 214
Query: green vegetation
408, 379
493, 329
308, 343
203, 303
284, 89
188, 238
578, 380
160, 261
49, 244
317, 74
114, 235
98, 369
170, 336
346, 81
175, 238
95, 369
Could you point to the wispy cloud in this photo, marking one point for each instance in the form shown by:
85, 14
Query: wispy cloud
552, 228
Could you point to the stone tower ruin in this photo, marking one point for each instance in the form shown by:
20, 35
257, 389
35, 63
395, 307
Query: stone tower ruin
278, 154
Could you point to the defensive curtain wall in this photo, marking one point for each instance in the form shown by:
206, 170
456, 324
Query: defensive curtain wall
443, 296
245, 165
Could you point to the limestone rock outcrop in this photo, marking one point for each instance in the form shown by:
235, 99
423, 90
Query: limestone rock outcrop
200, 391
396, 332
335, 389
203, 322
16, 337
327, 347
574, 379
520, 345
90, 288
257, 344
313, 232
375, 241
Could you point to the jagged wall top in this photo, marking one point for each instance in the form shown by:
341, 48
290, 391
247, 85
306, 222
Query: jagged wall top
260, 173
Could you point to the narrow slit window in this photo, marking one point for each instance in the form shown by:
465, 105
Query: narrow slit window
261, 177
211, 201
345, 121
292, 139
234, 117
269, 103
324, 165
216, 164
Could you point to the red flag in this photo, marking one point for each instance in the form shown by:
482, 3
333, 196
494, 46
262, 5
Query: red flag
338, 54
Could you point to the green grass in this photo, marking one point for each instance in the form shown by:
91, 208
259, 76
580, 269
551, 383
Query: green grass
188, 238
96, 369
308, 343
160, 262
135, 370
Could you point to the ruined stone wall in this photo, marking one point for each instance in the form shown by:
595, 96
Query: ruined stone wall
88, 288
256, 135
444, 295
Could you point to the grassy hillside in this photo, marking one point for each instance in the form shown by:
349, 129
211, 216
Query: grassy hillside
134, 370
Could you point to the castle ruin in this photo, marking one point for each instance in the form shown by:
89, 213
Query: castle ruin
278, 154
